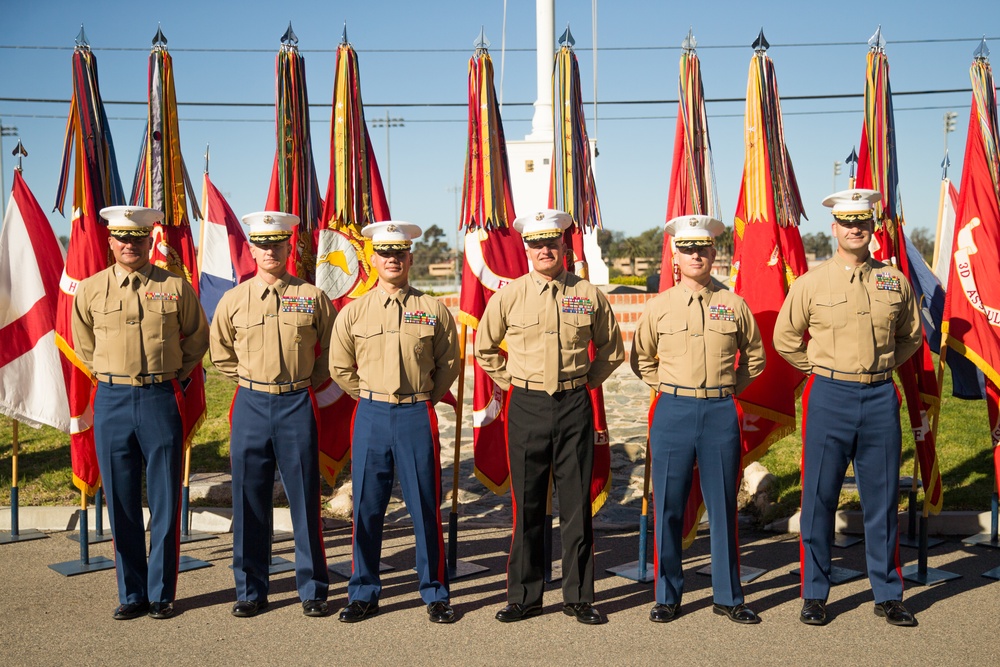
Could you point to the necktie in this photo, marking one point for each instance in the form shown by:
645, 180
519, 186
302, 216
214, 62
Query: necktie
866, 334
696, 325
133, 339
550, 327
272, 358
393, 366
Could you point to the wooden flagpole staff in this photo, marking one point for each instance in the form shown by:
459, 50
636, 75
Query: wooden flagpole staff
15, 534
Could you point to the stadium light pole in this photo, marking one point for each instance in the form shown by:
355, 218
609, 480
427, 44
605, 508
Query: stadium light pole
5, 131
387, 123
456, 189
836, 173
949, 126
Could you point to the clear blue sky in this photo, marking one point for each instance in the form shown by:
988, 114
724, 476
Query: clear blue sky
225, 52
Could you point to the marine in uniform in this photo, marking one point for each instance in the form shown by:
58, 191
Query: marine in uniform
548, 318
685, 347
140, 331
863, 322
395, 350
271, 335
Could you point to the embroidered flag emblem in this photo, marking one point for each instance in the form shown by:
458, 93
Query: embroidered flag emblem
888, 282
298, 304
162, 296
722, 312
419, 317
578, 305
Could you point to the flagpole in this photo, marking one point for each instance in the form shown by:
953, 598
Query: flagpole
940, 220
548, 575
15, 534
453, 517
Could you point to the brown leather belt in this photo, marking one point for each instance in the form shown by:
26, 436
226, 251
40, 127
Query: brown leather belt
274, 387
395, 399
138, 381
564, 385
861, 378
691, 392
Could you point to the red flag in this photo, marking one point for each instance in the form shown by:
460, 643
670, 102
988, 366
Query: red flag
878, 170
494, 256
971, 323
224, 258
574, 191
354, 198
692, 174
96, 184
32, 379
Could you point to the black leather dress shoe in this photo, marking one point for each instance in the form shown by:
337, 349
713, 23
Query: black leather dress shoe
315, 608
161, 610
517, 612
739, 613
664, 613
813, 612
440, 612
248, 608
358, 611
584, 612
130, 610
895, 613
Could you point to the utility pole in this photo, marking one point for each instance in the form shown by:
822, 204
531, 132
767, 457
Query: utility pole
949, 126
388, 122
5, 131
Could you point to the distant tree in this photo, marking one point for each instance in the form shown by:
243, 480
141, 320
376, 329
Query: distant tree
924, 243
819, 244
431, 248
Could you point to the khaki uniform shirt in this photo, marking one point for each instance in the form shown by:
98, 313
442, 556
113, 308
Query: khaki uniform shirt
842, 313
273, 333
397, 345
531, 318
681, 343
146, 322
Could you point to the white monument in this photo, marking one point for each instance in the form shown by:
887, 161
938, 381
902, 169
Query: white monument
530, 160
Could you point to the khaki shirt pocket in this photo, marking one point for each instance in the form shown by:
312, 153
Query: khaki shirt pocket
368, 343
576, 330
164, 318
522, 329
297, 331
672, 337
830, 310
107, 316
249, 335
417, 340
722, 340
886, 308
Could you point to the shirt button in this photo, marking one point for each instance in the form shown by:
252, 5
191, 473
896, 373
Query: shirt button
130, 322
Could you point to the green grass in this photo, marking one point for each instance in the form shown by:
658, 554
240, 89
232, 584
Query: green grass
964, 453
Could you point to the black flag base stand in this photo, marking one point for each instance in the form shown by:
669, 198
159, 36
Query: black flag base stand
343, 568
990, 539
911, 539
458, 569
918, 572
842, 541
86, 563
637, 570
98, 535
188, 535
747, 573
187, 563
15, 534
838, 575
278, 565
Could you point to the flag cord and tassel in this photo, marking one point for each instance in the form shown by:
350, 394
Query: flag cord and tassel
453, 516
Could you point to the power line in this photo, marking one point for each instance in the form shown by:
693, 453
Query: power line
464, 105
702, 46
821, 112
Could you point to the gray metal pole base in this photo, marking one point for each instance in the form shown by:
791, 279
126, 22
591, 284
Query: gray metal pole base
74, 567
929, 576
635, 571
197, 536
838, 575
343, 568
464, 568
21, 536
187, 563
982, 540
842, 541
992, 574
278, 565
747, 573
281, 536
914, 543
92, 537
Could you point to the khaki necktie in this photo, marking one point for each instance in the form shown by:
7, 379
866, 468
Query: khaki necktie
392, 363
133, 338
696, 325
550, 327
866, 334
272, 358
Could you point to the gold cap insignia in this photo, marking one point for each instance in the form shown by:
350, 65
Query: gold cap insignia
693, 222
392, 228
856, 196
128, 213
539, 216
267, 219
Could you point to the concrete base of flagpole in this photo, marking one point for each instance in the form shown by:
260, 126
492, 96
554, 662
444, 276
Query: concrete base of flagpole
838, 575
747, 573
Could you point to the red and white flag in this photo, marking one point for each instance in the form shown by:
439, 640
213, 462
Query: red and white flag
32, 379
